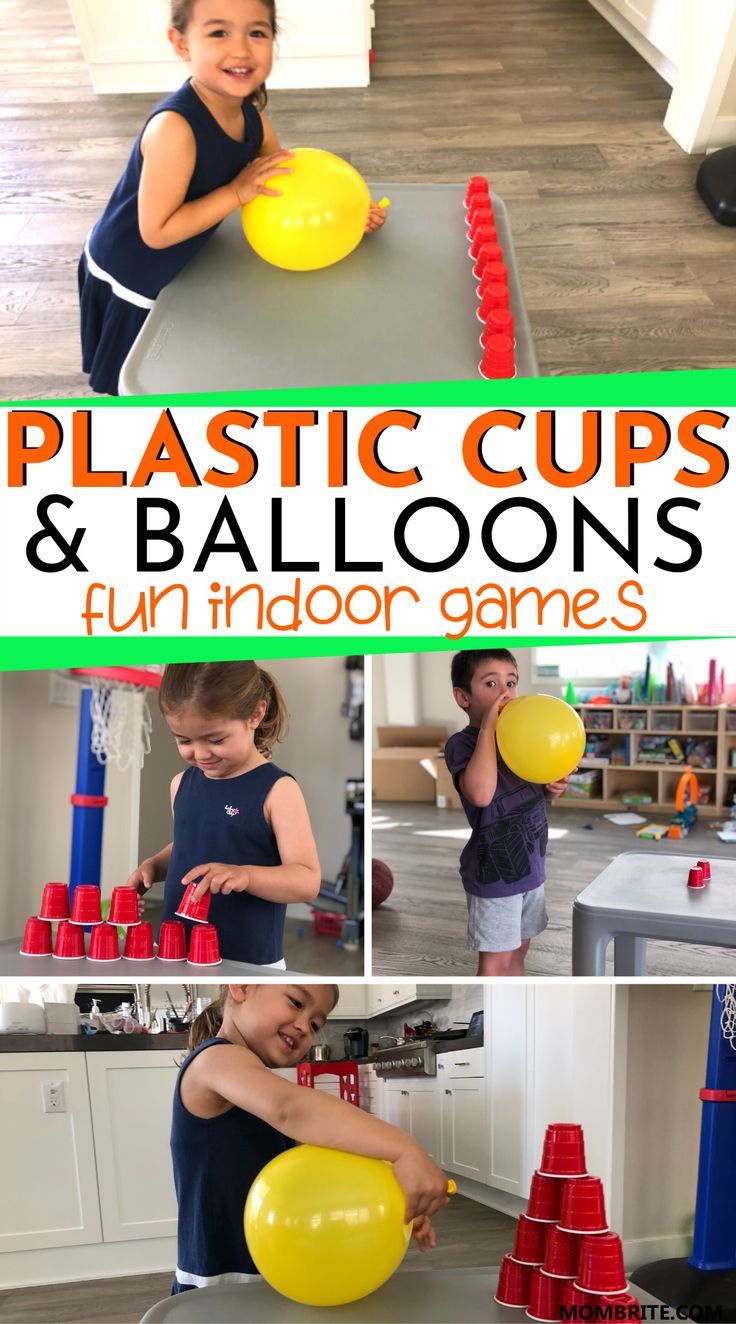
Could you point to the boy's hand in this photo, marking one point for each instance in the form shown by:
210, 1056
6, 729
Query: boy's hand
424, 1234
424, 1184
558, 788
217, 878
492, 714
376, 218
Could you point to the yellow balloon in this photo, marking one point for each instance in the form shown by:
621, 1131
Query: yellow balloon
319, 218
540, 738
325, 1227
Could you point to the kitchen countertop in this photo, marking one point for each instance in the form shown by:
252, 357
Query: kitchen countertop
92, 1043
440, 1046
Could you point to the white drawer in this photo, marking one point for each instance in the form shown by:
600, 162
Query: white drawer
465, 1062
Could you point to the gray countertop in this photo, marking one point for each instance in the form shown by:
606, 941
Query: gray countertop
92, 1043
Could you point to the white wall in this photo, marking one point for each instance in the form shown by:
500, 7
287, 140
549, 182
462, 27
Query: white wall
428, 690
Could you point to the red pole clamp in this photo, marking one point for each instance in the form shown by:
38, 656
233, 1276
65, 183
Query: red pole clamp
88, 801
718, 1096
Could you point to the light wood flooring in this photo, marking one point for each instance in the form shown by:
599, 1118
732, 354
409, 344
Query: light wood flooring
421, 929
469, 1235
622, 266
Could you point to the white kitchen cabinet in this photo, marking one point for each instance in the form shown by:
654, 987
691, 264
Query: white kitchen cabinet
383, 997
353, 1003
130, 1096
506, 1051
464, 1114
412, 1105
47, 1158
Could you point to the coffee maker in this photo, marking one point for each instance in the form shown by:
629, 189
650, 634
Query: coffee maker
356, 1043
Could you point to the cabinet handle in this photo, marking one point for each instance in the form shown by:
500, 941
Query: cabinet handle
440, 1066
406, 1092
462, 1064
396, 992
448, 1091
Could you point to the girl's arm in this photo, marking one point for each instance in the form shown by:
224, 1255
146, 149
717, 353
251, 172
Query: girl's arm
169, 154
297, 878
315, 1118
479, 778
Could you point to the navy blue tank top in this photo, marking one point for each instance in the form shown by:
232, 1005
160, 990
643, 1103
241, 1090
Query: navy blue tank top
222, 820
216, 1160
115, 244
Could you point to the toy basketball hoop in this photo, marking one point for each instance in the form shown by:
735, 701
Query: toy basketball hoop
120, 719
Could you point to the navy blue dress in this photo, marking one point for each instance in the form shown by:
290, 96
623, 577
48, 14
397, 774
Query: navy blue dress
216, 1160
222, 820
119, 275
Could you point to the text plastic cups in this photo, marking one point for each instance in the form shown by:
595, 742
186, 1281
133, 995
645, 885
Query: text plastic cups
36, 937
204, 948
602, 1265
191, 909
86, 905
103, 943
563, 1154
69, 945
545, 1199
139, 943
514, 1283
696, 878
530, 1242
172, 941
583, 1206
562, 1253
55, 903
124, 906
545, 1297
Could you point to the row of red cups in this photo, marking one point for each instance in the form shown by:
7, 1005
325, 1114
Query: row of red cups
86, 907
489, 268
592, 1263
543, 1297
700, 874
204, 948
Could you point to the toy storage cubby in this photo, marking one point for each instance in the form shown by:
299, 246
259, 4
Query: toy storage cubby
618, 736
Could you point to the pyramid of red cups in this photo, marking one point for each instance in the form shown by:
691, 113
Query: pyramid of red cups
491, 273
565, 1256
103, 945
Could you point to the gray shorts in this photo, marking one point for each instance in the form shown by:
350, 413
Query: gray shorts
503, 923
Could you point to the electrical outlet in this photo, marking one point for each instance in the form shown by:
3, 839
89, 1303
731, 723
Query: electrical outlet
54, 1099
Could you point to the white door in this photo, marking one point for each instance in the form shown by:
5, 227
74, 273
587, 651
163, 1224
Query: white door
464, 1128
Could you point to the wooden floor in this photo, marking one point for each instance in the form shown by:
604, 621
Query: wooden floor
421, 929
469, 1235
622, 266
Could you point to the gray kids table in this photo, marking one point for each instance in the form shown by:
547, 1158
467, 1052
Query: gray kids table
401, 308
640, 896
83, 971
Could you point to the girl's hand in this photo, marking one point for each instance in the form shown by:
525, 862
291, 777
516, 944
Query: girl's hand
424, 1234
557, 788
376, 218
143, 877
217, 878
252, 182
424, 1184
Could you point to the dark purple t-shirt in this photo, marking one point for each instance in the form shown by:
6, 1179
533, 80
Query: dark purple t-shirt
505, 854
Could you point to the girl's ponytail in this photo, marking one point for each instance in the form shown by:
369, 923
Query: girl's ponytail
209, 1022
275, 721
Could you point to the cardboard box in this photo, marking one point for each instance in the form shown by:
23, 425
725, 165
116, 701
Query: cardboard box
405, 763
446, 796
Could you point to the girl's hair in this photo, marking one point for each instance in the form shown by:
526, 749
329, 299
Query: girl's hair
209, 1022
227, 689
464, 664
181, 14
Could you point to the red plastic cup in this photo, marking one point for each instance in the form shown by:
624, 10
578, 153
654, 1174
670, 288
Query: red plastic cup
172, 941
86, 905
500, 323
204, 948
622, 1307
477, 186
36, 937
69, 945
55, 903
139, 943
498, 357
562, 1253
103, 943
482, 234
494, 295
545, 1298
696, 877
573, 1298
496, 273
124, 906
545, 1199
514, 1283
563, 1154
480, 218
705, 866
583, 1206
196, 910
602, 1265
531, 1238
489, 254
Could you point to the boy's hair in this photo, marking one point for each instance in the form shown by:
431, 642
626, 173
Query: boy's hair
209, 1022
465, 664
181, 13
227, 689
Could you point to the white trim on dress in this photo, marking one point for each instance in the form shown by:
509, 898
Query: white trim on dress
122, 292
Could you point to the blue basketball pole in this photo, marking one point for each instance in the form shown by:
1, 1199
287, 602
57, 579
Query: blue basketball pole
88, 802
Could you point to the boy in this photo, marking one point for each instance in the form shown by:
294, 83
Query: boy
502, 866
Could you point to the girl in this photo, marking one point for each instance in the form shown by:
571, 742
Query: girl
234, 806
232, 1116
203, 152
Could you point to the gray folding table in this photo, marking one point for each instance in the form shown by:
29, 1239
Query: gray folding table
642, 895
15, 966
402, 307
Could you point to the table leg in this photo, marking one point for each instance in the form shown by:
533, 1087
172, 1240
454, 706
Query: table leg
589, 944
629, 954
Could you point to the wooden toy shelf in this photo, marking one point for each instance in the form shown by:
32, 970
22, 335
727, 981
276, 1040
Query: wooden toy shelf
628, 727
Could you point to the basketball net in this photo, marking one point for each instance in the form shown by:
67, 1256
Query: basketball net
726, 994
119, 712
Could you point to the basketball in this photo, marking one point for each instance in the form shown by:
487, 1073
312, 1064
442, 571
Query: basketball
383, 882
